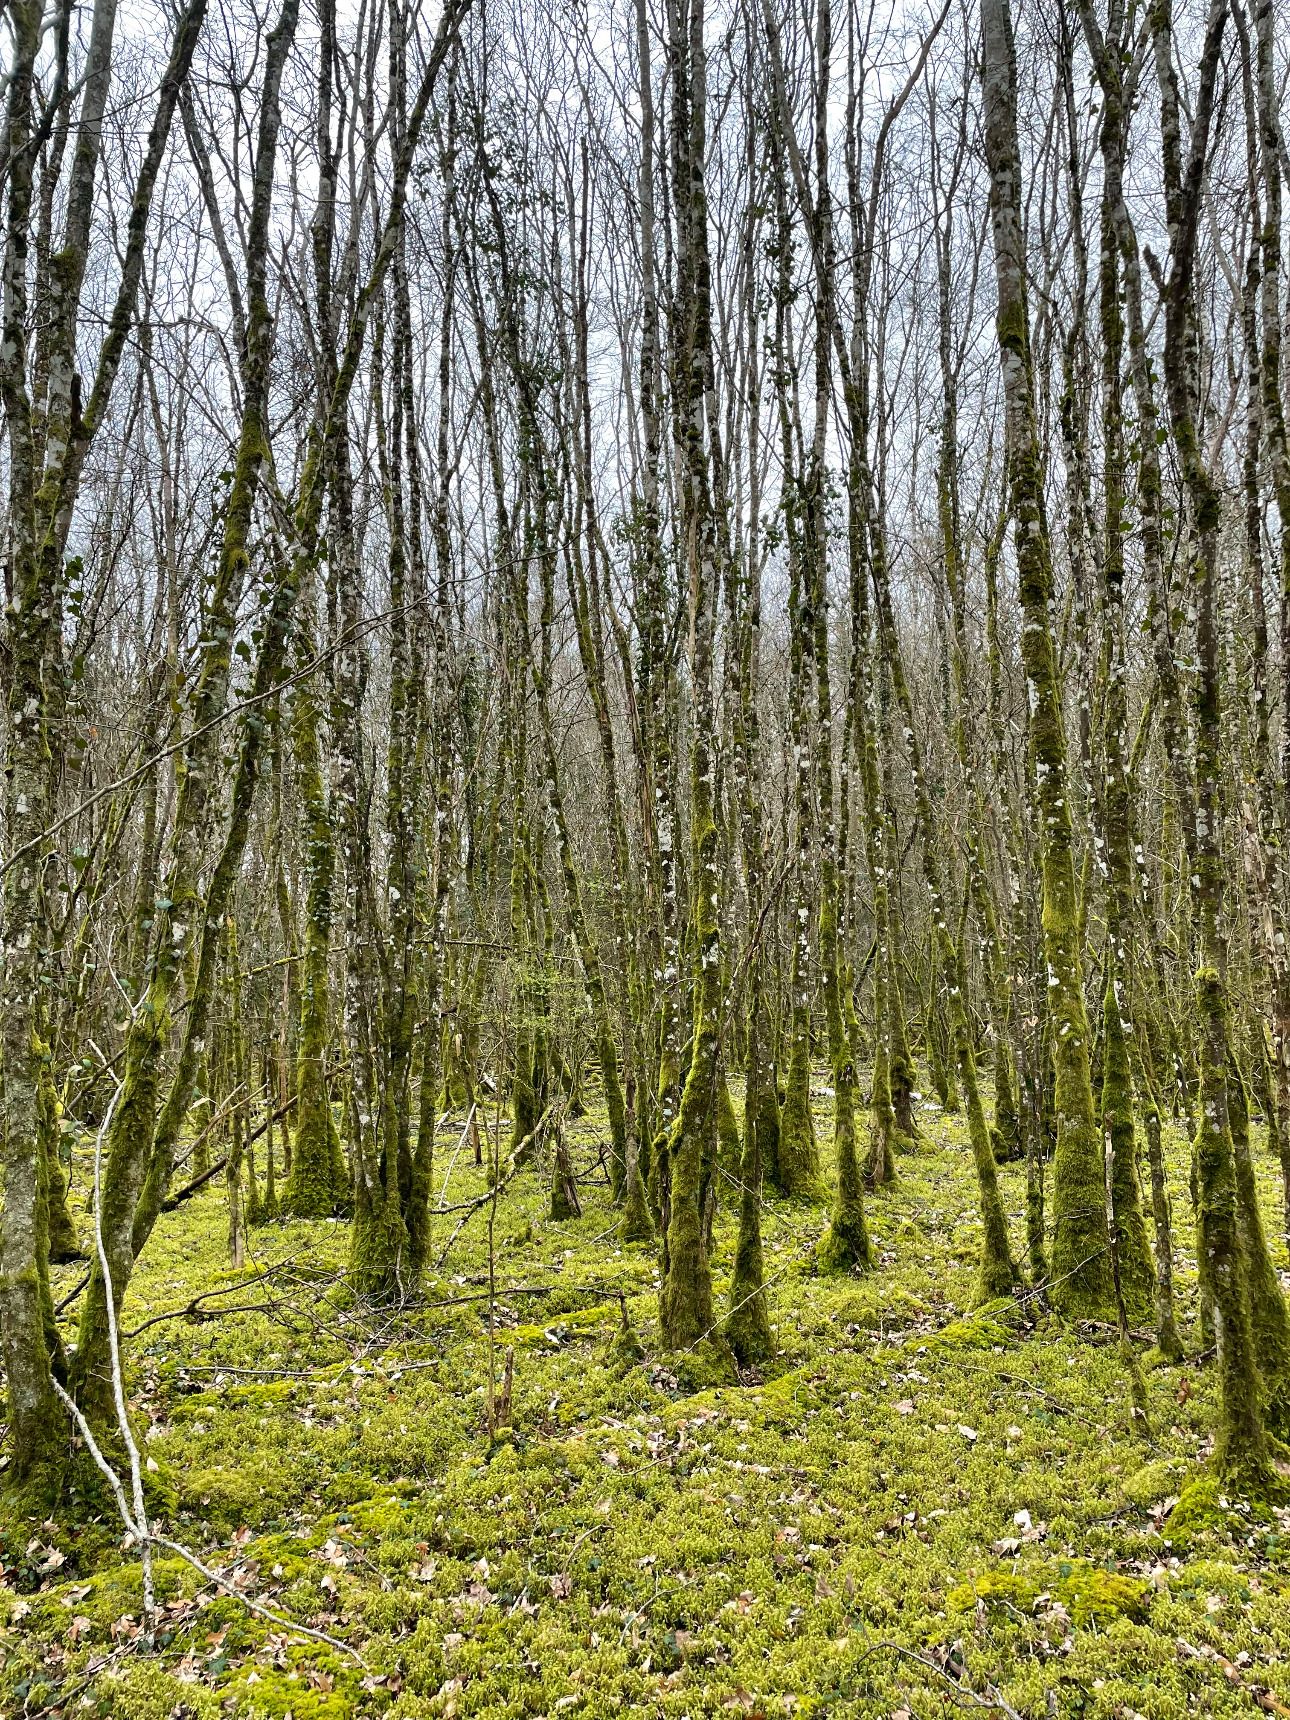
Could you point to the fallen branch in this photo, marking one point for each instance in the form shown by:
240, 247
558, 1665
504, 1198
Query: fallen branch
467, 1207
190, 1189
71, 1295
993, 1700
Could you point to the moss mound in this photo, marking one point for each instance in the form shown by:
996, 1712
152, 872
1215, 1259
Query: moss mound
1089, 1594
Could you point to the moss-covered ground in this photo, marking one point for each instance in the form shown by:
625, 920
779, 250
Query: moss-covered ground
914, 1510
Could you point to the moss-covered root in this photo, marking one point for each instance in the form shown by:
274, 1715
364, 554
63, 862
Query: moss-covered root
1137, 1273
624, 1349
1241, 1448
846, 1243
799, 1159
1269, 1324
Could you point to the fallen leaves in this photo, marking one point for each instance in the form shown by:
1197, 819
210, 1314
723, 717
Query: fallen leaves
1011, 1544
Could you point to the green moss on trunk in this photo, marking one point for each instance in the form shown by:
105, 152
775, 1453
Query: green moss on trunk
1137, 1274
729, 1150
798, 1159
747, 1325
1269, 1325
1241, 1448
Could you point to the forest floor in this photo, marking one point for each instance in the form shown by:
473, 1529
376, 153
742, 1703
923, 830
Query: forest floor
910, 1512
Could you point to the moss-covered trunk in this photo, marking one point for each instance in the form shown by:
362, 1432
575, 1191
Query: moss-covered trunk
319, 1182
1081, 1275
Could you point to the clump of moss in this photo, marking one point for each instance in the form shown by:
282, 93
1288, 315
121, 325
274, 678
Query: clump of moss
710, 1363
145, 1691
229, 1498
624, 1349
977, 1332
1209, 1507
1154, 1482
1089, 1594
878, 1311
317, 1685
1095, 1596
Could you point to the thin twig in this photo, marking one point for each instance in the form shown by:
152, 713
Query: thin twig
453, 1160
994, 1701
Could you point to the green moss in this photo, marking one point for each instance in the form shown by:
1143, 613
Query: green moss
144, 1691
743, 1515
798, 1159
708, 1365
1161, 1479
994, 1589
978, 1333
1213, 1505
1137, 1273
1092, 1596
1198, 1512
624, 1349
229, 1496
259, 1691
728, 1145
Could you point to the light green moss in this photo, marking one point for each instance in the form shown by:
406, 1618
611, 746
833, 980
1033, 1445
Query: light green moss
1092, 1596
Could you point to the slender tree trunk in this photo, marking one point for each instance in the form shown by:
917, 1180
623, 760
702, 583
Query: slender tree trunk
1081, 1275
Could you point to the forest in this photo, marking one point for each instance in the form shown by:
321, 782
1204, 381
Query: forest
644, 859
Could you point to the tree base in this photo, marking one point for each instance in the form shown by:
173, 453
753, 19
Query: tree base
747, 1328
636, 1225
845, 1245
710, 1363
995, 1279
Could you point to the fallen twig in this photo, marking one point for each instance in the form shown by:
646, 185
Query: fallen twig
990, 1701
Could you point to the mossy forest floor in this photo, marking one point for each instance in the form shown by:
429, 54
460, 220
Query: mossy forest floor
911, 1513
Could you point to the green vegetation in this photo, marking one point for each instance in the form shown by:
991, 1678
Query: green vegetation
901, 1476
